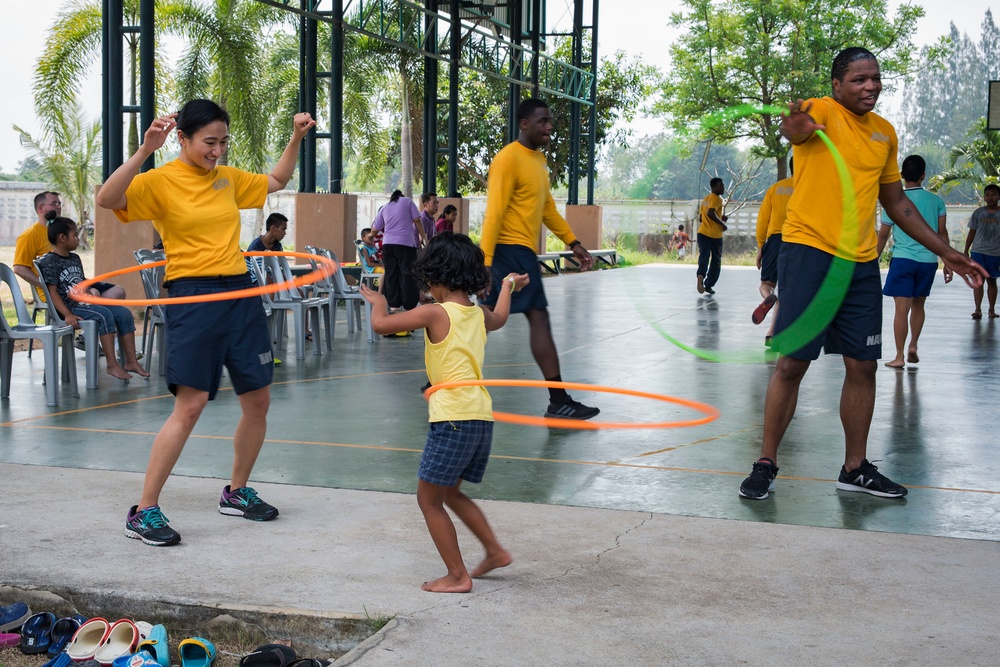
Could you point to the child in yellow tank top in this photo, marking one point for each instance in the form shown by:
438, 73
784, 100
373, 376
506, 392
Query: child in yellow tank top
452, 268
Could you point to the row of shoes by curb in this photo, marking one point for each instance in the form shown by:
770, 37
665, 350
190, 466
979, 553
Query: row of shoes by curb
96, 642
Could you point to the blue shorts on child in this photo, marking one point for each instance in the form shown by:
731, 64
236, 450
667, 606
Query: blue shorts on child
456, 450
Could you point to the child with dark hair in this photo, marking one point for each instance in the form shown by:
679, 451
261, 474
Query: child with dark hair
983, 245
61, 270
461, 419
446, 223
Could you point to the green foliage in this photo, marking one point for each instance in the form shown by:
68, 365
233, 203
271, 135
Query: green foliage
768, 52
623, 83
223, 61
973, 164
69, 155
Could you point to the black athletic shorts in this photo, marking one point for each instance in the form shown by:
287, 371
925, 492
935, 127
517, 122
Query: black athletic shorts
509, 259
204, 337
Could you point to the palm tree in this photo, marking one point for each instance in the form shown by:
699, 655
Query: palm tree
69, 154
224, 61
975, 162
73, 45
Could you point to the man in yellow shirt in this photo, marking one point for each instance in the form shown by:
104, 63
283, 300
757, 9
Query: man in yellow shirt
33, 242
770, 219
814, 233
518, 201
713, 224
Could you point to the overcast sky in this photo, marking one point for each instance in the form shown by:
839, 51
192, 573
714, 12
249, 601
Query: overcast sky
636, 26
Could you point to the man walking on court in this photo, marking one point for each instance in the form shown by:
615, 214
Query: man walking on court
913, 267
713, 224
811, 239
770, 219
518, 201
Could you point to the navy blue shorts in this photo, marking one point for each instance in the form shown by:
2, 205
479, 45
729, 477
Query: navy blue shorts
989, 262
455, 451
769, 259
204, 337
856, 329
509, 259
909, 278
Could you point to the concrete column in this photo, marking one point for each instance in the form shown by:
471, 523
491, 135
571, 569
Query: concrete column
586, 222
327, 221
114, 244
462, 204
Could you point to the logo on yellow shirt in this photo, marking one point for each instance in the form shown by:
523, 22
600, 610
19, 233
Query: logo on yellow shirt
878, 136
221, 184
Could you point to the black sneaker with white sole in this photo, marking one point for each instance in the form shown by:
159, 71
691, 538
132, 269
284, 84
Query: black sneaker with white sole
245, 502
570, 409
761, 480
867, 479
150, 526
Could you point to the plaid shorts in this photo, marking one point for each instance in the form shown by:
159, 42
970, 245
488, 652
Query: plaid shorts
455, 451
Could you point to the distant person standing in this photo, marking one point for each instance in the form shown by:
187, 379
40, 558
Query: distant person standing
913, 267
397, 220
518, 201
984, 242
713, 224
770, 219
428, 209
680, 242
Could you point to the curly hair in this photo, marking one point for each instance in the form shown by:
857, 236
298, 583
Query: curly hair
452, 260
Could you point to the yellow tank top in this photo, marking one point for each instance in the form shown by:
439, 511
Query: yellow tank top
458, 357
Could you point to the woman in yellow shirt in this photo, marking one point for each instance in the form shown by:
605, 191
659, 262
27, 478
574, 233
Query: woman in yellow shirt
194, 204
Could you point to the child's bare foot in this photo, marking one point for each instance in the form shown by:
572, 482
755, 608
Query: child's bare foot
448, 584
977, 315
993, 314
895, 363
490, 563
137, 369
912, 357
117, 371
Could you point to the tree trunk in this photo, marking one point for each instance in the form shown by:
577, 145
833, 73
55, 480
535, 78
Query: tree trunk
133, 129
406, 159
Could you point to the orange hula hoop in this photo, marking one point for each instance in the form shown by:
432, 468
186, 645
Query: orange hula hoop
711, 413
79, 291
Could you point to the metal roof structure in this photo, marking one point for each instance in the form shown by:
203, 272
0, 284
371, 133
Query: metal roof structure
502, 39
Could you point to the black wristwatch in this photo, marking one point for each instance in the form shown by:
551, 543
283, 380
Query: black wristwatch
574, 244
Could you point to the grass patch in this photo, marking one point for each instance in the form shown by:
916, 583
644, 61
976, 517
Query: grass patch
376, 621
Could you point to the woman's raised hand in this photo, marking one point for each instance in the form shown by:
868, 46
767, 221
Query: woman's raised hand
302, 123
158, 131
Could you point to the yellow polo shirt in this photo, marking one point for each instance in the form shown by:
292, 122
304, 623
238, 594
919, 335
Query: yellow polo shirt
197, 214
774, 210
32, 243
709, 227
519, 200
815, 211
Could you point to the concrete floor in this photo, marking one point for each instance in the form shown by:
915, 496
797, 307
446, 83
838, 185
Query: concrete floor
355, 418
607, 571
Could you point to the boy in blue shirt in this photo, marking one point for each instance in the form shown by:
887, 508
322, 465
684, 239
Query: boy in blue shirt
61, 270
913, 267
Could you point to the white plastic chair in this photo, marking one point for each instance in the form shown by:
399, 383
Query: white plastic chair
292, 300
49, 335
154, 326
350, 297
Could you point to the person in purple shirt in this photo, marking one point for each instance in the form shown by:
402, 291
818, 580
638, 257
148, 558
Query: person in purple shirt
397, 220
428, 209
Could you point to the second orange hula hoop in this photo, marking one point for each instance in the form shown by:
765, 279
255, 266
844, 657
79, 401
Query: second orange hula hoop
711, 413
328, 268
